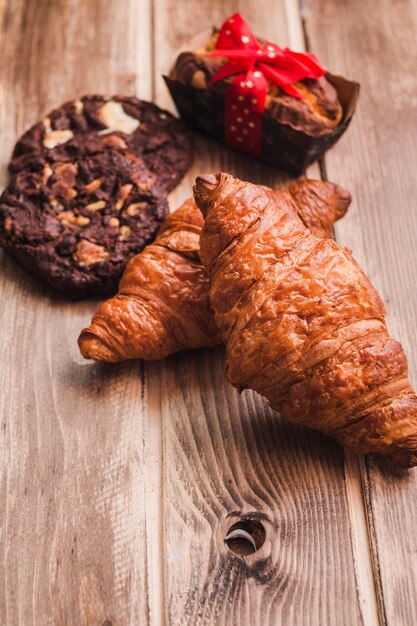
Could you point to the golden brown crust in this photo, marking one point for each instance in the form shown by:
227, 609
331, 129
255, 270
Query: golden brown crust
302, 323
320, 204
163, 305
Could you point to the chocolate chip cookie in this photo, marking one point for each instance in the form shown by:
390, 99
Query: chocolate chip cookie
76, 223
89, 125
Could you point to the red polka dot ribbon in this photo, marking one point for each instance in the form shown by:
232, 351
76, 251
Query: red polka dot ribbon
252, 66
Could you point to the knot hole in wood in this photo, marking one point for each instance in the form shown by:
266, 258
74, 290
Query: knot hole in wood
245, 537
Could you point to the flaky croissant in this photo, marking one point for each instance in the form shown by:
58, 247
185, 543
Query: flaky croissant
162, 305
302, 324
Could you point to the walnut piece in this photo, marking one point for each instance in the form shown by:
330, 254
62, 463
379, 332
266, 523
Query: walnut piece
123, 194
56, 205
8, 223
96, 206
113, 116
125, 231
55, 138
67, 172
135, 208
199, 80
46, 173
88, 253
94, 185
81, 220
78, 106
65, 180
116, 141
69, 219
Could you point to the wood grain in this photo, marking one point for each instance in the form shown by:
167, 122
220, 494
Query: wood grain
228, 456
118, 484
376, 160
77, 469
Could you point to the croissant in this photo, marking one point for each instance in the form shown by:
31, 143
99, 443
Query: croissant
162, 305
302, 324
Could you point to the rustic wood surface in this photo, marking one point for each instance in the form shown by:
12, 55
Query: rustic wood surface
118, 484
377, 161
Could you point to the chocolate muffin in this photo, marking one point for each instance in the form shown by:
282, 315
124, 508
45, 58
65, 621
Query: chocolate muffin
317, 113
75, 223
294, 131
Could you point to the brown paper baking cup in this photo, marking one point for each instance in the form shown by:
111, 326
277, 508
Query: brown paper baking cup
286, 147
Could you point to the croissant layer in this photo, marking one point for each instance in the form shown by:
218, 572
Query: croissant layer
302, 324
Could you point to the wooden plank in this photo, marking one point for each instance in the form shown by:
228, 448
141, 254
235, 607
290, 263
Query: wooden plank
77, 471
228, 456
376, 160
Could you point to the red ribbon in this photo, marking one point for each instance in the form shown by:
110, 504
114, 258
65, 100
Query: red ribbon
252, 66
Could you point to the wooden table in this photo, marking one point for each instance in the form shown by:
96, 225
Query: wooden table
118, 484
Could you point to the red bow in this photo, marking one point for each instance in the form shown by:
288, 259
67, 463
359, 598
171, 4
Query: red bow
253, 65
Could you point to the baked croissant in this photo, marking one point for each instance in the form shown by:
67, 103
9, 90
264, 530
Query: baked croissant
162, 305
302, 324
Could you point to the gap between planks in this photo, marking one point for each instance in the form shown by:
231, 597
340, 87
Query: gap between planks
367, 579
368, 583
154, 495
153, 439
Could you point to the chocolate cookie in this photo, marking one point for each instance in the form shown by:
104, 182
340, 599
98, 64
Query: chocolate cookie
75, 224
88, 125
